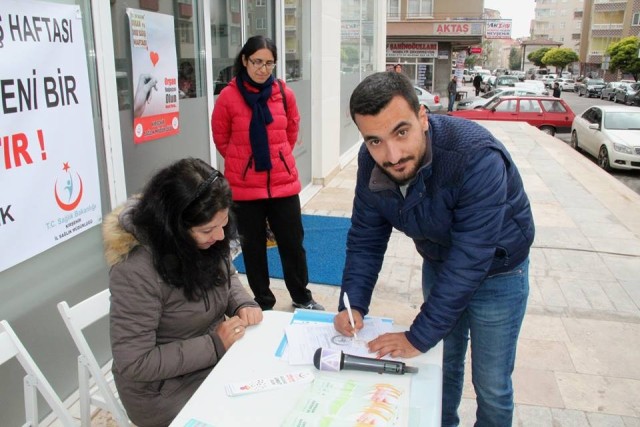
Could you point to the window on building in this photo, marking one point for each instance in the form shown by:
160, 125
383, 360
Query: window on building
563, 12
184, 31
575, 36
577, 14
393, 9
420, 8
636, 19
261, 3
261, 24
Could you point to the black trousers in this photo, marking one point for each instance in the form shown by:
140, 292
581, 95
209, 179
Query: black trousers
285, 219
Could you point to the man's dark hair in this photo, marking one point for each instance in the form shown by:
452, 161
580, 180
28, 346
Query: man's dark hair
376, 91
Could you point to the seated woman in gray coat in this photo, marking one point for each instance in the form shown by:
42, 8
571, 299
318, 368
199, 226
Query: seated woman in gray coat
177, 304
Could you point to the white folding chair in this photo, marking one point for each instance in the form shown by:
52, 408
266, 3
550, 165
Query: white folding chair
95, 382
34, 381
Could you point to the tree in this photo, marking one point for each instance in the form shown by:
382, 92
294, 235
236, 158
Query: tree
536, 56
624, 56
514, 59
471, 61
559, 57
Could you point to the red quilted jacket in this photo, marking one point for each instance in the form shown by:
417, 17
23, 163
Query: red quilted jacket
230, 125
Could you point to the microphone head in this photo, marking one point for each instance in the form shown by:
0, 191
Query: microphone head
327, 359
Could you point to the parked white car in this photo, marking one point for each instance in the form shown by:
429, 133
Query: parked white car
567, 84
610, 133
431, 102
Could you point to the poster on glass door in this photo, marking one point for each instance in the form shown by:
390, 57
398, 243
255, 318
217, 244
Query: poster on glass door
49, 184
155, 75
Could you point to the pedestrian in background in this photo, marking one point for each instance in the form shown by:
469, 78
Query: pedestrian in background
255, 126
397, 68
452, 90
556, 90
477, 81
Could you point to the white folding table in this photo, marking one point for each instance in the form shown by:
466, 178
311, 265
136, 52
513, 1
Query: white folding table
253, 357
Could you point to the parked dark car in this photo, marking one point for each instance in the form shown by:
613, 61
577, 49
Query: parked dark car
626, 92
609, 90
590, 87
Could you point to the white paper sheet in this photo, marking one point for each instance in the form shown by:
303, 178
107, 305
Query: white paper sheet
304, 339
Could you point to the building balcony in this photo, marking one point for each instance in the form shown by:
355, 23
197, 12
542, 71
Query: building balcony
609, 5
606, 30
595, 27
594, 59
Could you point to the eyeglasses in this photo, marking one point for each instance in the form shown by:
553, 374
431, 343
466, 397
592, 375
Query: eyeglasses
259, 63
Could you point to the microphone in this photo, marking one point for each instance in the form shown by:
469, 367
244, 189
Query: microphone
326, 359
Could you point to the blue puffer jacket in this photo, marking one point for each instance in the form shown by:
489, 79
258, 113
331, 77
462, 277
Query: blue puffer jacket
466, 211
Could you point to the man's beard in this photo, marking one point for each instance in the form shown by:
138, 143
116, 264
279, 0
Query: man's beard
410, 161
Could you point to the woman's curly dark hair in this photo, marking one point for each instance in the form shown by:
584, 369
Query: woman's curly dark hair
183, 195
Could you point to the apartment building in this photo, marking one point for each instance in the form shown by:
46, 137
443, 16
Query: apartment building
424, 36
560, 21
605, 22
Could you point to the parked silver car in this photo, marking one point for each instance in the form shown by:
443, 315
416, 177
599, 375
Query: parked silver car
609, 90
480, 101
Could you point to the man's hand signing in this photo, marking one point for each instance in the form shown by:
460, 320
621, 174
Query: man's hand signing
341, 322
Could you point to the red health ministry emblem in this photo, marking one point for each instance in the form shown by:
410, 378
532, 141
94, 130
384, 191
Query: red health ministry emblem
68, 188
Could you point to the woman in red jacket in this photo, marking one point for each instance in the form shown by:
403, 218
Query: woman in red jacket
255, 125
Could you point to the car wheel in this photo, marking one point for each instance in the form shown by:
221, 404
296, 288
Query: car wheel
574, 141
603, 159
548, 130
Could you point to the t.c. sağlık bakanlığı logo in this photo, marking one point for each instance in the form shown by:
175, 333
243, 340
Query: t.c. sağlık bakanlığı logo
69, 191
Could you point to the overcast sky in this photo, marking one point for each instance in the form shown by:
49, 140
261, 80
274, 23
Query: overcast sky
521, 12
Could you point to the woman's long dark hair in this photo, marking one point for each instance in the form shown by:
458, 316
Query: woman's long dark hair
185, 194
253, 45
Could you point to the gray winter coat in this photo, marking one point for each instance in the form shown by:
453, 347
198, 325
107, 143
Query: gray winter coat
163, 345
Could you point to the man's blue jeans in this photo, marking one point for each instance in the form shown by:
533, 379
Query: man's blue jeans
492, 320
452, 100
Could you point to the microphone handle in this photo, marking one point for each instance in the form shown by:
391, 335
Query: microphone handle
367, 364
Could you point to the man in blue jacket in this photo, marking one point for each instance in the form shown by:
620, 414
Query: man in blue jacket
453, 188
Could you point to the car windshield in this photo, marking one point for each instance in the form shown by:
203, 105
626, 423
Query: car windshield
491, 93
627, 120
506, 81
596, 81
491, 104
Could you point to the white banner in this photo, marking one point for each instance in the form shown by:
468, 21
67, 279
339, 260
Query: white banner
413, 49
49, 187
498, 29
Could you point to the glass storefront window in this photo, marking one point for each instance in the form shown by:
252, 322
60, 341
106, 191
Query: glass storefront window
260, 18
226, 41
